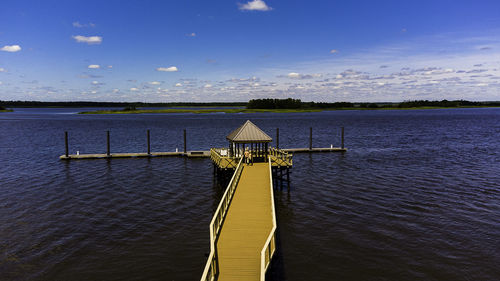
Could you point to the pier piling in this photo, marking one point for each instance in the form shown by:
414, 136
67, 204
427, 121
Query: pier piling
66, 143
310, 138
107, 142
277, 138
185, 146
342, 138
149, 144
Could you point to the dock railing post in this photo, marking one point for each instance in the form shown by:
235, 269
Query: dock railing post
310, 138
107, 142
149, 144
66, 143
185, 146
277, 138
342, 138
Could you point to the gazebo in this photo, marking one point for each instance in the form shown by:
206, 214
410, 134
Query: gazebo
249, 136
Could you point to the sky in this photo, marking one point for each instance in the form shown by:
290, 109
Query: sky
230, 50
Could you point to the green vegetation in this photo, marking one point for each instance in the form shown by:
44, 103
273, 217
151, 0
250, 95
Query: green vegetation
252, 106
118, 104
295, 104
4, 109
233, 110
298, 104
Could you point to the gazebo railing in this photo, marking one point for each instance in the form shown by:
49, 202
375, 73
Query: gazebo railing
280, 157
220, 156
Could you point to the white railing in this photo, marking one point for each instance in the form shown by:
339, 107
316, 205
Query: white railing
212, 267
281, 157
270, 246
223, 161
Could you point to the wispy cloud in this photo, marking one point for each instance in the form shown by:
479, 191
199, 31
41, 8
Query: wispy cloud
80, 25
94, 66
167, 69
334, 51
91, 40
2, 69
155, 83
192, 34
295, 75
11, 48
255, 5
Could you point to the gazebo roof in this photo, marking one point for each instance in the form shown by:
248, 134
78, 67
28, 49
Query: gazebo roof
248, 133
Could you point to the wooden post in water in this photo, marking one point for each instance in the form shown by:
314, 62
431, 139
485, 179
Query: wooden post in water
310, 138
66, 143
185, 146
149, 144
107, 142
342, 138
277, 138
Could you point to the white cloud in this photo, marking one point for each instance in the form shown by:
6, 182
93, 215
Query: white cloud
207, 86
110, 66
94, 66
115, 91
192, 34
95, 82
88, 39
255, 5
11, 48
167, 69
134, 89
0, 82
2, 69
295, 75
334, 51
79, 25
178, 85
155, 83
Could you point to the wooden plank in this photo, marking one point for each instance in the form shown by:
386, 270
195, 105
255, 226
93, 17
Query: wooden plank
205, 154
247, 226
316, 149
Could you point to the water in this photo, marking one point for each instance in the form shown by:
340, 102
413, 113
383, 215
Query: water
416, 197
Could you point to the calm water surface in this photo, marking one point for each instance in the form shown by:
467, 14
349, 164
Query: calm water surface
416, 197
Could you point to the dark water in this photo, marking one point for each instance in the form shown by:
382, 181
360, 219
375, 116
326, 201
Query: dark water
415, 198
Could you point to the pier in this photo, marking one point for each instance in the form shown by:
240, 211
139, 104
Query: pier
243, 228
185, 152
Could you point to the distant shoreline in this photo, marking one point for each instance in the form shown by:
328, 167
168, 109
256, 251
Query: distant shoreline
244, 110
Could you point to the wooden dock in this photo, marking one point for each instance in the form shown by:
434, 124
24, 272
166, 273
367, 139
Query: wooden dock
243, 228
247, 226
191, 154
315, 149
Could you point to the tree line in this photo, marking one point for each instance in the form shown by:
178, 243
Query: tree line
298, 104
114, 104
290, 103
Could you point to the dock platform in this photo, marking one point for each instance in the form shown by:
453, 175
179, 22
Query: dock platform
190, 154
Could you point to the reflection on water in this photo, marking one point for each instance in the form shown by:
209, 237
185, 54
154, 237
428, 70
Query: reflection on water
415, 197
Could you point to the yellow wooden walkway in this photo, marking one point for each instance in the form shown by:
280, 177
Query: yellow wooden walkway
247, 226
243, 228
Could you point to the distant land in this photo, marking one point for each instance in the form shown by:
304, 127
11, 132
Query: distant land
252, 106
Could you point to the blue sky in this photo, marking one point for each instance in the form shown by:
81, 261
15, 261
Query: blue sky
163, 51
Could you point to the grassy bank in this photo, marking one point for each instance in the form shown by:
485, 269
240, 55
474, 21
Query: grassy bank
244, 110
231, 110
